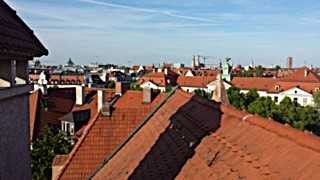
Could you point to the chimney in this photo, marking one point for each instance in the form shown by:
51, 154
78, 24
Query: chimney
220, 92
100, 99
79, 95
106, 109
166, 71
122, 87
147, 95
305, 72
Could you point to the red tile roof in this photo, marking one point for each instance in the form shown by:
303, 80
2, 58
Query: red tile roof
104, 134
158, 78
262, 84
59, 160
195, 81
302, 75
17, 38
191, 138
298, 79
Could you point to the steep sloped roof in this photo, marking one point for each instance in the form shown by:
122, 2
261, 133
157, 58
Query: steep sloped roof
191, 138
102, 135
17, 39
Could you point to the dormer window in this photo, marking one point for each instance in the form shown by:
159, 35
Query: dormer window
277, 88
317, 89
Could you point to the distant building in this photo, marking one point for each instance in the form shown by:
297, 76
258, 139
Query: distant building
300, 86
290, 62
18, 45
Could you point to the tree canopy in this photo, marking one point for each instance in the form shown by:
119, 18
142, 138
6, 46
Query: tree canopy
44, 150
316, 99
286, 112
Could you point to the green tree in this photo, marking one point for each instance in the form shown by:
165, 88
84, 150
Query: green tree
44, 150
316, 100
264, 106
202, 93
277, 67
250, 97
259, 71
111, 84
236, 98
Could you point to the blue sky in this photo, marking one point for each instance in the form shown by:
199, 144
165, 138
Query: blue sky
149, 31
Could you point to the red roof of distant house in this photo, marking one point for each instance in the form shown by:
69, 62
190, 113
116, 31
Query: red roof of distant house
195, 81
102, 135
17, 39
304, 79
192, 138
262, 84
158, 78
302, 75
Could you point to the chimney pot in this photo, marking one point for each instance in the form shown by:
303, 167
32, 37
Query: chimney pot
122, 87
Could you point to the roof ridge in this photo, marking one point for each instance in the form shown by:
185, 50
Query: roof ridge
76, 148
131, 135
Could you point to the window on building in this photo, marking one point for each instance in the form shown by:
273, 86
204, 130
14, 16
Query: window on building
277, 88
295, 92
295, 100
305, 101
276, 99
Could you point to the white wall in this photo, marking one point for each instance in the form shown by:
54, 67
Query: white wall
152, 86
303, 98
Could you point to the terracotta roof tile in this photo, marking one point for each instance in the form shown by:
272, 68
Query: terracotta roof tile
262, 84
191, 138
104, 134
59, 160
195, 81
297, 79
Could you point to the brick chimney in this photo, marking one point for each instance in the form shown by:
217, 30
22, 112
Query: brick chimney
106, 109
122, 87
147, 95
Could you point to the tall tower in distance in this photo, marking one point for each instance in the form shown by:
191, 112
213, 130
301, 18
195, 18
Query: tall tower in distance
290, 62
